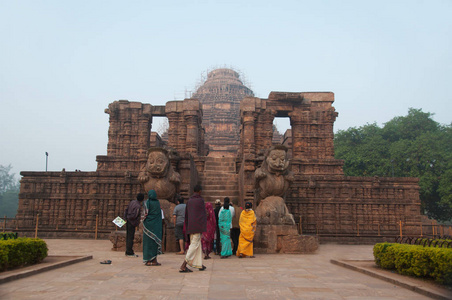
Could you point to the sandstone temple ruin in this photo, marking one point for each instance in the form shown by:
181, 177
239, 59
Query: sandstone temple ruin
218, 138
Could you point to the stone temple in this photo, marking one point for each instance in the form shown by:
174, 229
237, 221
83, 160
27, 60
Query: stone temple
218, 138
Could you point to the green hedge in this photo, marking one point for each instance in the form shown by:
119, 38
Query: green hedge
415, 260
21, 252
8, 235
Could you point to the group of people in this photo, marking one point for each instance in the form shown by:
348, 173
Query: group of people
236, 227
200, 229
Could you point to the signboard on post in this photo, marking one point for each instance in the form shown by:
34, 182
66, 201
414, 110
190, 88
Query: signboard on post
119, 222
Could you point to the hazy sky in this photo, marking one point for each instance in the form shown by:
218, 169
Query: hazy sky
63, 62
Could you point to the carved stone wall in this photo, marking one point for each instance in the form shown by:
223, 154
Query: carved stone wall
340, 205
324, 200
70, 204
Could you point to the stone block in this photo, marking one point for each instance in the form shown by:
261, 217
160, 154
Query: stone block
118, 239
283, 239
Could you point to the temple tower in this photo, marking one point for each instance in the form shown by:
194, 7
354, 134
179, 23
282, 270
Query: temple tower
220, 96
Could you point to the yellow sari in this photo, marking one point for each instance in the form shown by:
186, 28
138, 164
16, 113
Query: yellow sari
247, 228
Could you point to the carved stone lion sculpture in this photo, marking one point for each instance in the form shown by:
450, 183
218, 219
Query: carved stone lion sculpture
272, 180
159, 175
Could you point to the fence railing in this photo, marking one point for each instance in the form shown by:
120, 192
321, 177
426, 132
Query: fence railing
12, 224
390, 230
440, 242
396, 229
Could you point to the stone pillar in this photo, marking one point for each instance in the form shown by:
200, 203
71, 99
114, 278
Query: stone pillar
249, 115
177, 127
128, 135
249, 145
265, 128
192, 118
192, 134
173, 129
330, 118
298, 119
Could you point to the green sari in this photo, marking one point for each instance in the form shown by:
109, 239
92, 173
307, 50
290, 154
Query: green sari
152, 228
224, 223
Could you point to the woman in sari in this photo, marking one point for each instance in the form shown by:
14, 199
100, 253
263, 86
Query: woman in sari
247, 229
224, 222
209, 236
152, 230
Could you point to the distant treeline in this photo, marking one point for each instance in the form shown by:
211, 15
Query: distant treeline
409, 146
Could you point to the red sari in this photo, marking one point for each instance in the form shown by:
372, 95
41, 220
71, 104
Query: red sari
209, 236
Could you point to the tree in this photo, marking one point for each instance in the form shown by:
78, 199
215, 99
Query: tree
9, 192
407, 146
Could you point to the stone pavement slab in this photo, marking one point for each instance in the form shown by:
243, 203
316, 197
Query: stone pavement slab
425, 287
268, 276
49, 263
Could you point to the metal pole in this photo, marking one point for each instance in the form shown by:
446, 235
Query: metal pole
433, 229
37, 221
97, 218
47, 156
400, 225
301, 227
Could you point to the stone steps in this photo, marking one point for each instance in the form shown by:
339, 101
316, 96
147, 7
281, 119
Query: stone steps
220, 193
220, 187
212, 198
219, 179
220, 168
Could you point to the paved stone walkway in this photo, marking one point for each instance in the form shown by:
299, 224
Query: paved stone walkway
269, 276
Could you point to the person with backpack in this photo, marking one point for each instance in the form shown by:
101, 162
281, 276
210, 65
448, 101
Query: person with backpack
132, 216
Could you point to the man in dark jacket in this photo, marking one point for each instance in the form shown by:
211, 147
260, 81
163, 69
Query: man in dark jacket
235, 230
132, 216
195, 225
217, 241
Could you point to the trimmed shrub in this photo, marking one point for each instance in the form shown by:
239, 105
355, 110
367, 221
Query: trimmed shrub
383, 256
8, 235
21, 252
414, 260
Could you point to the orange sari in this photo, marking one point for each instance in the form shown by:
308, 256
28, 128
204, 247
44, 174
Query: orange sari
247, 229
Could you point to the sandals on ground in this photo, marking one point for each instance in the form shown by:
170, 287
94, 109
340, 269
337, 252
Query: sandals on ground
186, 270
203, 268
152, 264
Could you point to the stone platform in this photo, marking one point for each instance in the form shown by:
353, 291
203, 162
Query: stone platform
268, 276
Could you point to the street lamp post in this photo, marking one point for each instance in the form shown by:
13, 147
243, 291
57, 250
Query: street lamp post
47, 159
392, 167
